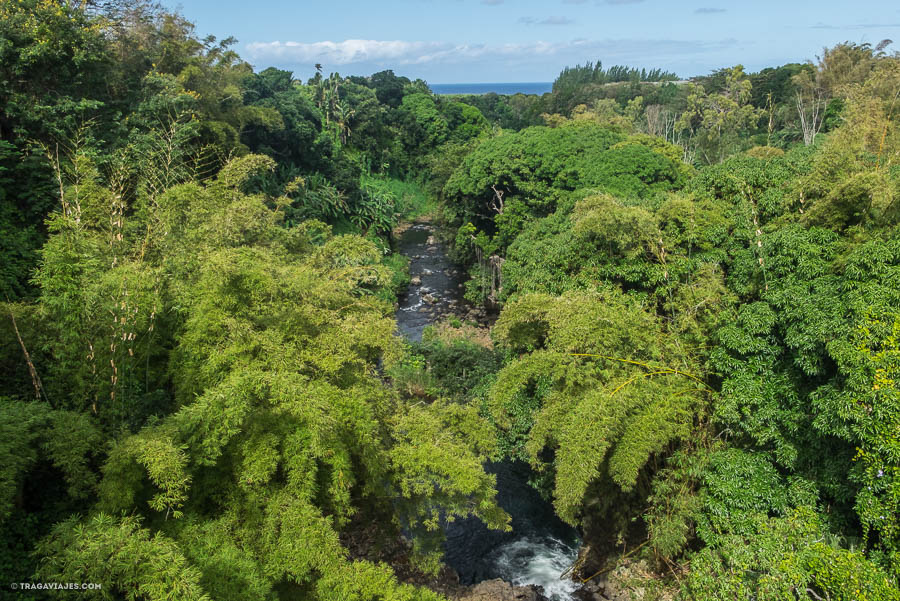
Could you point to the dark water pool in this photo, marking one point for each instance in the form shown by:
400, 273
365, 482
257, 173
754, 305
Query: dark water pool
537, 551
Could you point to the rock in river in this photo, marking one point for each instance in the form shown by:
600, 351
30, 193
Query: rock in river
498, 590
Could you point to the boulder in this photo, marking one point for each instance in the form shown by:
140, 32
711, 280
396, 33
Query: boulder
591, 591
415, 281
500, 590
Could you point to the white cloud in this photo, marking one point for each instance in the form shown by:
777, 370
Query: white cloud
448, 61
342, 53
395, 51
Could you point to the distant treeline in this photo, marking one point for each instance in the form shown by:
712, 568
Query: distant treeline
594, 73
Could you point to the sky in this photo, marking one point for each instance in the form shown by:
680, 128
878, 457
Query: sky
490, 41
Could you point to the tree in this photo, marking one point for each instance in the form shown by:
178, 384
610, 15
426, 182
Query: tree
388, 87
811, 102
610, 393
272, 358
717, 120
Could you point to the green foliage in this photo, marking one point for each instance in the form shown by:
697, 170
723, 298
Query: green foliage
716, 350
854, 178
33, 433
24, 199
464, 121
785, 558
53, 64
378, 207
737, 487
664, 254
286, 124
318, 199
438, 455
612, 404
411, 200
459, 365
398, 266
410, 377
595, 73
720, 118
432, 126
544, 257
536, 164
633, 170
512, 179
774, 272
127, 561
576, 85
282, 424
867, 416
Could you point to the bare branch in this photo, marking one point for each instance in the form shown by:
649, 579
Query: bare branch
497, 202
35, 378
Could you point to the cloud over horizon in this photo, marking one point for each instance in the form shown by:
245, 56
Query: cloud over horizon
368, 56
483, 40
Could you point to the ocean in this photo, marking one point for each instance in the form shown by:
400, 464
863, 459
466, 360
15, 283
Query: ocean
486, 88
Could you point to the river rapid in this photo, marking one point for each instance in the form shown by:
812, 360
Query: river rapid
540, 547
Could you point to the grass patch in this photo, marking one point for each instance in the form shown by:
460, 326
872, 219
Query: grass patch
410, 199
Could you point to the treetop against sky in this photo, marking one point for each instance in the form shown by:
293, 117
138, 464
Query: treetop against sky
445, 41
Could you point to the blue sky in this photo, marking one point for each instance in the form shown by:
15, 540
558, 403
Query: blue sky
469, 41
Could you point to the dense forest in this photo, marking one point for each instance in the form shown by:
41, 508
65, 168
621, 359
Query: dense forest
695, 342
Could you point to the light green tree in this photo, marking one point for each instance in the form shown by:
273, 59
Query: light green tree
716, 121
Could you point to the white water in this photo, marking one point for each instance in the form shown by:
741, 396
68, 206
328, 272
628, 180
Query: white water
541, 562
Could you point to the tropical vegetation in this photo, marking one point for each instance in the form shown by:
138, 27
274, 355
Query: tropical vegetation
696, 348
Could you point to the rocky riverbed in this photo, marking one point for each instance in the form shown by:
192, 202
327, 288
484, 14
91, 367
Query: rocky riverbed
436, 283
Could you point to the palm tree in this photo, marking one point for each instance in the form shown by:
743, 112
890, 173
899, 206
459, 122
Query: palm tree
342, 120
334, 80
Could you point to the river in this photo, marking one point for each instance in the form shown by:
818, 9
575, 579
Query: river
540, 546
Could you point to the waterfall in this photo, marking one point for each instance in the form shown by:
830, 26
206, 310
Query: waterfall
538, 561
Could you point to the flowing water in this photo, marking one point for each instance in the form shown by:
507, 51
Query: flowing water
540, 547
436, 288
